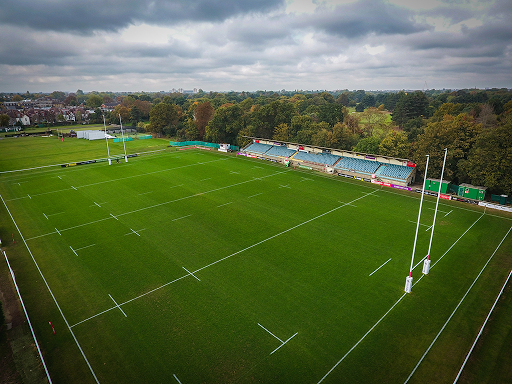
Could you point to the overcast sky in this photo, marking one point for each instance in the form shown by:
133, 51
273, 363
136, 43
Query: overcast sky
154, 45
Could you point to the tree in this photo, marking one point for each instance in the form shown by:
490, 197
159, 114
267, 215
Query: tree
395, 144
135, 115
457, 134
203, 113
331, 113
368, 100
59, 95
164, 118
94, 101
489, 161
410, 106
343, 99
373, 119
225, 125
368, 145
4, 120
17, 98
282, 132
360, 107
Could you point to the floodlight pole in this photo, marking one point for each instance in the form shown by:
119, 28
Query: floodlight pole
106, 139
122, 135
426, 263
408, 279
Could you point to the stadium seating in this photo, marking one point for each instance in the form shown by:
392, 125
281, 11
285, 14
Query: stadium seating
357, 165
280, 151
394, 171
258, 148
320, 158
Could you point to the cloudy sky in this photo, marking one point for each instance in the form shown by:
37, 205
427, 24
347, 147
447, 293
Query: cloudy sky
153, 45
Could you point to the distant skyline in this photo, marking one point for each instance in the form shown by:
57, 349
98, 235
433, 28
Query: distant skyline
242, 45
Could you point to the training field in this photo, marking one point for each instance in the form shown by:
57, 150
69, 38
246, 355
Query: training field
202, 267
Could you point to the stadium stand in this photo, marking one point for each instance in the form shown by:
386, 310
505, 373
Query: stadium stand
280, 151
258, 148
318, 158
394, 171
357, 165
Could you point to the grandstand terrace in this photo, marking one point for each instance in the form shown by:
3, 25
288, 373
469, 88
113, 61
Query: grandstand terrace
349, 164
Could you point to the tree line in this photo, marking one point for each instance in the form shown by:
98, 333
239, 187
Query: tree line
474, 125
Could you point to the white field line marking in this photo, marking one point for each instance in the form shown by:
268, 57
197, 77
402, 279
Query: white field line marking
145, 193
261, 193
191, 274
175, 186
157, 205
58, 231
29, 196
270, 333
97, 204
284, 342
457, 307
425, 225
117, 305
28, 318
74, 188
378, 321
380, 267
59, 177
46, 216
433, 209
136, 232
284, 186
113, 180
178, 380
218, 206
87, 246
424, 257
428, 228
53, 214
208, 178
51, 293
182, 217
482, 328
224, 258
114, 217
352, 205
448, 213
76, 254
234, 172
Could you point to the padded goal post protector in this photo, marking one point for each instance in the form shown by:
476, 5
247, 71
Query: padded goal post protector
426, 266
408, 284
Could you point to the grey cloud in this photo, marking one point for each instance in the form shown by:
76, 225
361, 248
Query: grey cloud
91, 15
363, 18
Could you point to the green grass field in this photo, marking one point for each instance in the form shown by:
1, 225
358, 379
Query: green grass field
201, 267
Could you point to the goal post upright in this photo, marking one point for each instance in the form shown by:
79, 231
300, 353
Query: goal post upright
106, 139
426, 263
408, 280
122, 135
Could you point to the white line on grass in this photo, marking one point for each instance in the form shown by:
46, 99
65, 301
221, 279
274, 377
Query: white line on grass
482, 328
250, 197
178, 380
352, 205
114, 217
448, 213
51, 293
380, 267
433, 209
270, 333
58, 231
218, 206
291, 337
46, 216
394, 305
224, 258
87, 246
425, 225
145, 193
457, 307
76, 254
29, 196
175, 186
97, 204
74, 188
182, 217
282, 342
208, 178
284, 186
53, 214
191, 274
117, 305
